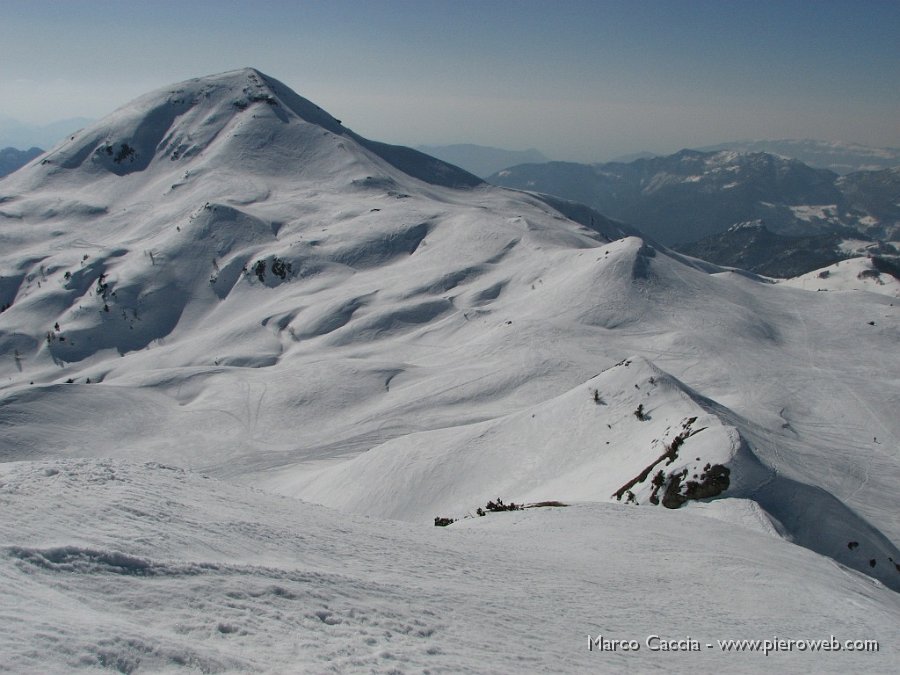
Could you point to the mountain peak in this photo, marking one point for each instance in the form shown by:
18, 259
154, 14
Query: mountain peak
240, 120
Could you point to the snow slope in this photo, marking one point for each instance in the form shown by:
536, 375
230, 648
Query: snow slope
855, 274
258, 583
582, 445
221, 277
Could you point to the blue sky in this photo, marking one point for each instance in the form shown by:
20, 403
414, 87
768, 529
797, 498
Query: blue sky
578, 80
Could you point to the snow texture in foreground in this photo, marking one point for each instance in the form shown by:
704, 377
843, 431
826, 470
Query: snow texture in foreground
144, 567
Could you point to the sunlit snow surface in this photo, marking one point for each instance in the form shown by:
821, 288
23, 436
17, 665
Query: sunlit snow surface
111, 565
222, 278
855, 274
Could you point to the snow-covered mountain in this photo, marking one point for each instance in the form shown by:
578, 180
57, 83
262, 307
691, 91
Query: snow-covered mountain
838, 156
684, 197
877, 194
872, 273
221, 277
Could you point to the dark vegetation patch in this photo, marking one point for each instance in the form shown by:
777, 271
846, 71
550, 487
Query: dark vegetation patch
279, 267
496, 506
125, 152
870, 274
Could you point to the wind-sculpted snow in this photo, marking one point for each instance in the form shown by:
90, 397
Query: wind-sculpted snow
264, 298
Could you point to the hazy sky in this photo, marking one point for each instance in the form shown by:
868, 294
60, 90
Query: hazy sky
581, 80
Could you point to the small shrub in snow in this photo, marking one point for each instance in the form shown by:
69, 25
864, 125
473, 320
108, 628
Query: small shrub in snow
443, 522
500, 506
125, 152
281, 268
870, 274
259, 269
103, 287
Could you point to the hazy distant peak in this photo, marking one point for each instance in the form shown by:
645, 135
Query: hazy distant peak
17, 134
839, 156
633, 156
482, 160
11, 159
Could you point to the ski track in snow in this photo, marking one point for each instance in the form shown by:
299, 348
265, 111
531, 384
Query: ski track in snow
874, 418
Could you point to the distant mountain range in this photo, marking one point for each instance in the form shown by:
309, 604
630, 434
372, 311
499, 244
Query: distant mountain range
480, 159
12, 159
18, 134
691, 195
752, 246
836, 156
